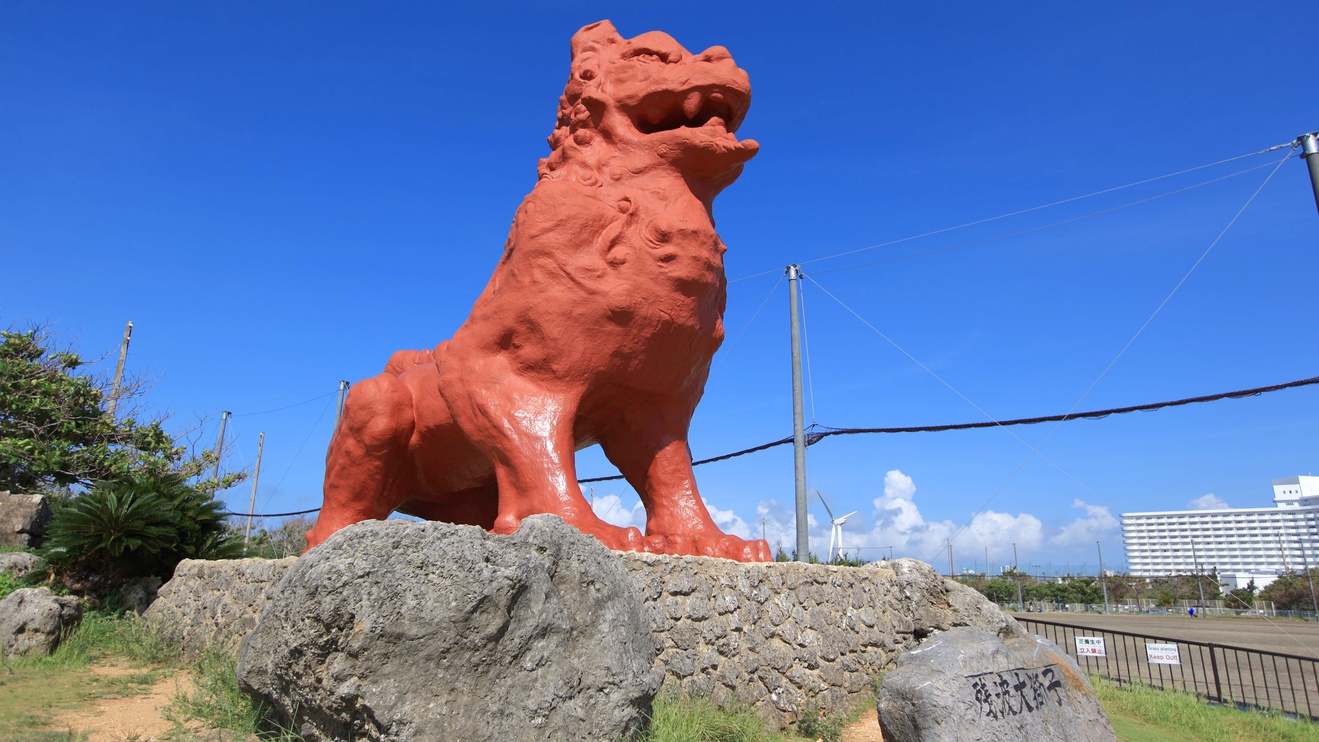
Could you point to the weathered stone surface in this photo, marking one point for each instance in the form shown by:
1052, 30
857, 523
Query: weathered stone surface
968, 684
19, 563
32, 620
23, 519
139, 594
790, 637
215, 602
393, 630
781, 637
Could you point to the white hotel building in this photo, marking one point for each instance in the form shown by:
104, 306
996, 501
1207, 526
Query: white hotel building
1241, 543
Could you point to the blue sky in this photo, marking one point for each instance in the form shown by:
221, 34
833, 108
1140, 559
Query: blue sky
280, 195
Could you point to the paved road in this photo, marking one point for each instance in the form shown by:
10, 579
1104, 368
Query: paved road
1285, 635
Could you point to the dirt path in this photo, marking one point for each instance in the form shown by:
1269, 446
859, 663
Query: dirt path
132, 717
865, 729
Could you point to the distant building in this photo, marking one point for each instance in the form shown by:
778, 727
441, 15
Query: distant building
1241, 543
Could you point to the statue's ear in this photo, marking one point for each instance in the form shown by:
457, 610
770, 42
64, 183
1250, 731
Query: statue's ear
594, 37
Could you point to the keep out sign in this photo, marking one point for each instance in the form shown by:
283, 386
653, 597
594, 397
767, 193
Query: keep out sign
1090, 646
1162, 654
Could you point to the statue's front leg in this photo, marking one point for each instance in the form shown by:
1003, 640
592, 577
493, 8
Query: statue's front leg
649, 446
526, 430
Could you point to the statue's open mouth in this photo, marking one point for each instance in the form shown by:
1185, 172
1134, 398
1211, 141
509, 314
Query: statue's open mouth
706, 106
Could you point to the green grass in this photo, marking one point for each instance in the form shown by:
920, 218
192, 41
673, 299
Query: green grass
1143, 714
35, 690
680, 718
8, 584
215, 702
676, 718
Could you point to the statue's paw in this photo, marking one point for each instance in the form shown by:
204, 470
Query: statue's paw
741, 550
618, 539
721, 545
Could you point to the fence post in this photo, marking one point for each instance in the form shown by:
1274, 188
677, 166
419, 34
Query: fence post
1213, 662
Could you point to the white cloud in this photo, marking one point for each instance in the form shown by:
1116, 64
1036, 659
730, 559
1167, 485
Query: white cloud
1207, 502
999, 531
899, 523
610, 509
728, 521
1095, 525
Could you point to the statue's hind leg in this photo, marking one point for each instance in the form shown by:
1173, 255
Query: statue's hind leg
367, 471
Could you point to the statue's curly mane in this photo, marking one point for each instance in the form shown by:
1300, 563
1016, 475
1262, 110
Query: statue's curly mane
577, 151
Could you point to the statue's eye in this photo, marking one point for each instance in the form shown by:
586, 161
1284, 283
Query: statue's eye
648, 55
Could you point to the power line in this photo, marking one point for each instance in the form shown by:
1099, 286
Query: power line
1019, 212
285, 407
820, 432
1043, 227
728, 350
273, 515
1035, 450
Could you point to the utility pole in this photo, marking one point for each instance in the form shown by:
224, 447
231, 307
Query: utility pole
219, 445
950, 560
798, 415
986, 561
343, 393
1309, 144
251, 506
1305, 561
119, 371
1016, 572
762, 529
1198, 582
1103, 582
1283, 550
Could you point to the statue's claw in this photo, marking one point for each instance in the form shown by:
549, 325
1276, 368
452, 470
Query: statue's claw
722, 546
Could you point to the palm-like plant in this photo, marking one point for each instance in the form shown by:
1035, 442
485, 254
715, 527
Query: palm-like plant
142, 526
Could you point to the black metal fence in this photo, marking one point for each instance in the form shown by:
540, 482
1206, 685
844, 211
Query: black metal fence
1216, 672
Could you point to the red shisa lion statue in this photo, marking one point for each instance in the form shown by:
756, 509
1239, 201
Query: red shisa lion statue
597, 326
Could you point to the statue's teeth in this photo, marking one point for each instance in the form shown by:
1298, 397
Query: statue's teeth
692, 105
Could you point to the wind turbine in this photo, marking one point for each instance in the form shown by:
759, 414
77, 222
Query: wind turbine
836, 534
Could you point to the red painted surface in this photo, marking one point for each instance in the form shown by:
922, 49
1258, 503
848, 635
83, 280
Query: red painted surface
597, 326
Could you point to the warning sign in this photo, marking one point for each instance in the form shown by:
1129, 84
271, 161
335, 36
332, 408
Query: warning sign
1162, 654
1090, 646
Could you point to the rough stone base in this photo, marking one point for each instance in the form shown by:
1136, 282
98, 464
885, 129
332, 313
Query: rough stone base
966, 684
431, 631
23, 519
32, 621
216, 602
790, 637
782, 637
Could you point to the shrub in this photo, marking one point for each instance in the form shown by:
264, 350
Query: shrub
142, 526
8, 584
